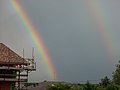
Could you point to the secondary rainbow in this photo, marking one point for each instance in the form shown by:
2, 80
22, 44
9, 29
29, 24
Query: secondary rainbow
29, 27
100, 18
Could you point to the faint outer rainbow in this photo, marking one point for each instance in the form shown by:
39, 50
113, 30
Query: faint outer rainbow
29, 27
100, 17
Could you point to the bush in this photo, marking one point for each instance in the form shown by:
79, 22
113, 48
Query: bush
100, 88
89, 86
112, 87
59, 87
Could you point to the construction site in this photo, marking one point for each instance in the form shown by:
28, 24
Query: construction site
14, 69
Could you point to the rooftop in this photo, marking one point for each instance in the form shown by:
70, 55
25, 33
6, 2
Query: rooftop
8, 56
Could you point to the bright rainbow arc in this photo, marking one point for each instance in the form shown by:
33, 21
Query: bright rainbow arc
29, 27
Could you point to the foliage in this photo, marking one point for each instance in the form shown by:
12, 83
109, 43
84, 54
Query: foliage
112, 87
100, 88
59, 87
105, 81
116, 74
89, 86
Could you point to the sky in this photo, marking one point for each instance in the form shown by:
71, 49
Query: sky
81, 36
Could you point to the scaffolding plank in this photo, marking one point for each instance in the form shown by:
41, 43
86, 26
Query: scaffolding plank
13, 75
17, 68
12, 79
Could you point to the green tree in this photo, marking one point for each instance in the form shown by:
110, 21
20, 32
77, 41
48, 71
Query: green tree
105, 81
112, 87
89, 86
116, 74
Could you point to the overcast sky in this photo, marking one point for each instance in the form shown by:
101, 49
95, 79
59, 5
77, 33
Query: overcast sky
71, 35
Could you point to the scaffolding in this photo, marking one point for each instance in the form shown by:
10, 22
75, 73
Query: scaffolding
14, 69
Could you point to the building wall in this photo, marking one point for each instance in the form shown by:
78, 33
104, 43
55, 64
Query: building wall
5, 86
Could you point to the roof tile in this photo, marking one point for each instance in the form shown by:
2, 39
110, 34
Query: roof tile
7, 55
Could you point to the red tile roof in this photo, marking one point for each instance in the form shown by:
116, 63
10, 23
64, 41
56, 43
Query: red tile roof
9, 56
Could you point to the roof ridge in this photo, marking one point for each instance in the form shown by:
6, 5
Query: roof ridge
8, 55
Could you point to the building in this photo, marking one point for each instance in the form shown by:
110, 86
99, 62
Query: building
14, 69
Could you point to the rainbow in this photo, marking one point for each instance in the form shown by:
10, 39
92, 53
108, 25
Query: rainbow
29, 27
99, 16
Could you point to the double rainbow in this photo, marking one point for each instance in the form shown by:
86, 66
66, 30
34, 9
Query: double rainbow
29, 27
97, 13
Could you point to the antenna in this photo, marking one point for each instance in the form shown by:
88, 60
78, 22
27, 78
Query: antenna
33, 53
23, 52
32, 58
